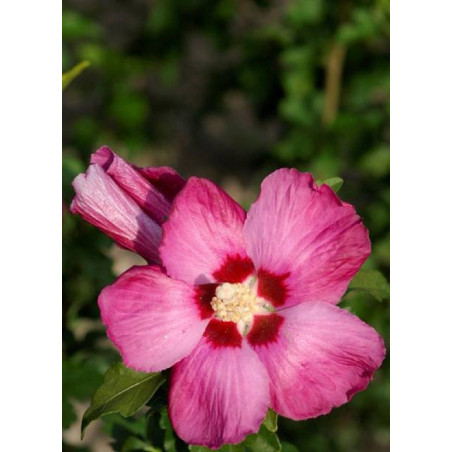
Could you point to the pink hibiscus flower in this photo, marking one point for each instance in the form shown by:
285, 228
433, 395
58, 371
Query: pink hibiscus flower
243, 306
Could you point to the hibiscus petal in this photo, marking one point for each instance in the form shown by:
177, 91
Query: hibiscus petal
305, 242
152, 319
165, 179
102, 203
202, 239
154, 203
218, 395
323, 355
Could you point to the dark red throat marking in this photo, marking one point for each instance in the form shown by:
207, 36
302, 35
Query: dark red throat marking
272, 287
265, 329
234, 269
203, 296
223, 334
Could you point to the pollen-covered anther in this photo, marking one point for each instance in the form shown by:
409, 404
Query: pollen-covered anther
236, 303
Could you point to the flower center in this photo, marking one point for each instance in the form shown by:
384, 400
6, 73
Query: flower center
238, 303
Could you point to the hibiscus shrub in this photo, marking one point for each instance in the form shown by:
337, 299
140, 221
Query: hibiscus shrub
227, 318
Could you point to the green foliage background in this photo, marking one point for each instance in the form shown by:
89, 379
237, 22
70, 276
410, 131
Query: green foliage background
230, 90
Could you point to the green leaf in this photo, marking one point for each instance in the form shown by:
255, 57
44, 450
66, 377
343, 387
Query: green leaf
169, 442
126, 434
334, 182
123, 391
132, 426
136, 444
80, 380
226, 448
371, 281
68, 413
74, 72
263, 441
271, 420
287, 447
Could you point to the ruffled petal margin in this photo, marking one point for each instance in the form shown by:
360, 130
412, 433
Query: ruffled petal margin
152, 319
305, 243
321, 357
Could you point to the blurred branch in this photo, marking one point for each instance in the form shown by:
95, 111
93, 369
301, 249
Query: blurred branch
334, 66
74, 72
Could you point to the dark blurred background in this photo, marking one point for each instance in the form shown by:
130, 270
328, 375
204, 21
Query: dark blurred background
230, 90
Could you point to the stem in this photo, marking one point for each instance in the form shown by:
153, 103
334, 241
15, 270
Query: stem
334, 67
